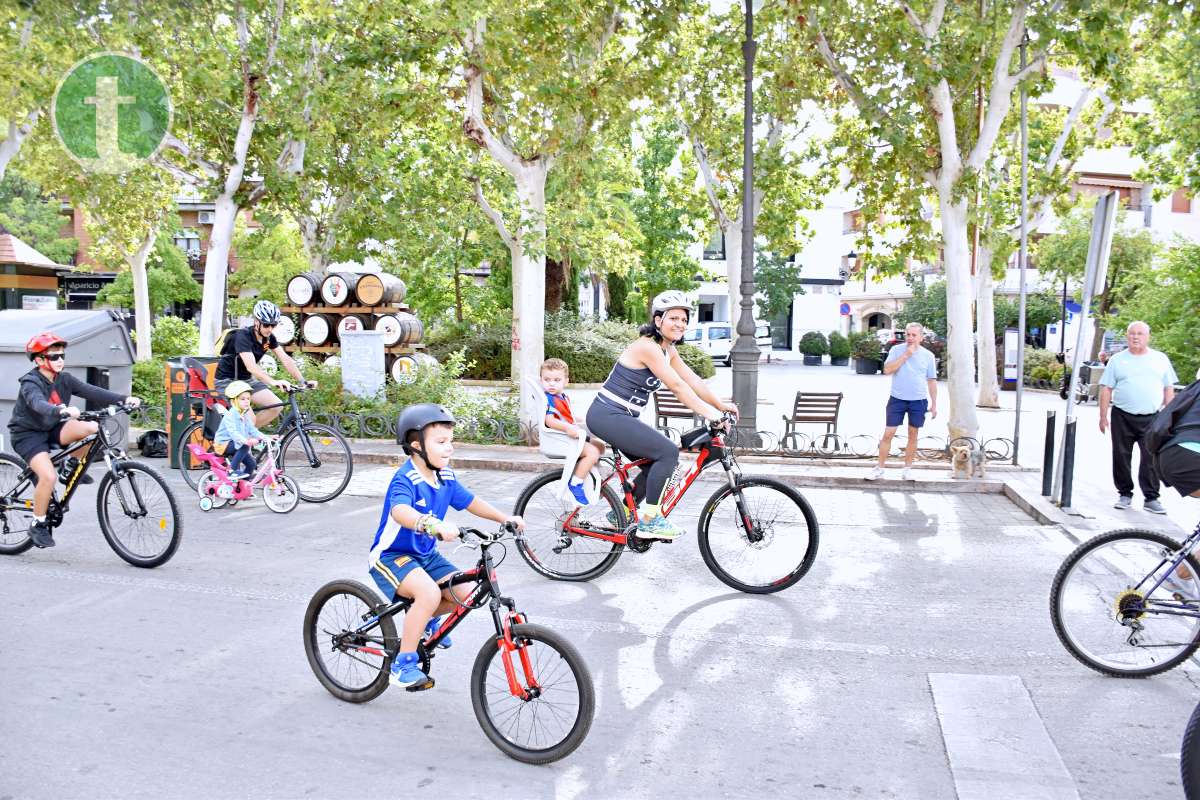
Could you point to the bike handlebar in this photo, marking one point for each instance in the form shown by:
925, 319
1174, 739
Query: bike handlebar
728, 418
506, 529
99, 414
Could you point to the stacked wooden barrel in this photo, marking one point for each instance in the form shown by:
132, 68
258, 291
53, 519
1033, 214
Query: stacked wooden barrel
329, 304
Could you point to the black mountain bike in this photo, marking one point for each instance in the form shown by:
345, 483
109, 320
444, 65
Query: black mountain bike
138, 514
531, 690
315, 455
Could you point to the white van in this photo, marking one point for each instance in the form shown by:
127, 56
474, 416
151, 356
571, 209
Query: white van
717, 338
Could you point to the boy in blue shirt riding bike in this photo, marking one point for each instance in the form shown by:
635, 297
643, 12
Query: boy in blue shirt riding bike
404, 560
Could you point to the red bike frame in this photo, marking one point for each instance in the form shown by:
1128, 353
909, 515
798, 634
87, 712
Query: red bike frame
671, 497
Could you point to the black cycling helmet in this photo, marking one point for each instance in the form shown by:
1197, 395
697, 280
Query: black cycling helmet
417, 418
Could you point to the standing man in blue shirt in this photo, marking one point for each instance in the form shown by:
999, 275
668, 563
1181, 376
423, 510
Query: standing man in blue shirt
914, 393
1136, 383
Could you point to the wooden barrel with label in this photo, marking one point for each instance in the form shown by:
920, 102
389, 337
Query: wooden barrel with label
304, 289
285, 331
380, 288
411, 328
318, 329
389, 326
338, 288
353, 322
403, 368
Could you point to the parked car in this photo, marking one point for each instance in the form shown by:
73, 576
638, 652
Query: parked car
717, 338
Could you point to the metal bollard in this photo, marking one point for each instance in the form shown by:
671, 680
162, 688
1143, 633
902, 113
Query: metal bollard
1068, 463
1048, 455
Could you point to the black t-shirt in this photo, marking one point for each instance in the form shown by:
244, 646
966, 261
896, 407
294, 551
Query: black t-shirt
243, 340
1187, 429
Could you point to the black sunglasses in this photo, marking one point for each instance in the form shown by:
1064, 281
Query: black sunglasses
55, 356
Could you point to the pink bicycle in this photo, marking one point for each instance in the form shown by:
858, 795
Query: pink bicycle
281, 493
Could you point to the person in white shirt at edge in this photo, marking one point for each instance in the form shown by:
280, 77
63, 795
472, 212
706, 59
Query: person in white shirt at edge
914, 393
1137, 382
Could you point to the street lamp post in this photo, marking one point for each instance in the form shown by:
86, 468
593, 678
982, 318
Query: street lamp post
744, 355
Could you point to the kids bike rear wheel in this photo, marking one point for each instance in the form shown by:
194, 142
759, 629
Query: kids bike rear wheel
17, 517
349, 656
760, 536
283, 496
553, 716
207, 480
579, 557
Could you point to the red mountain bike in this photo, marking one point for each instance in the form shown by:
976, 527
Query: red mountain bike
755, 534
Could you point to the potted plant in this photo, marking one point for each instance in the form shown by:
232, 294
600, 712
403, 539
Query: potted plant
814, 346
867, 356
839, 350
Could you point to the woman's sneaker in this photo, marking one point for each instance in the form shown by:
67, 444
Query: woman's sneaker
431, 628
658, 528
406, 671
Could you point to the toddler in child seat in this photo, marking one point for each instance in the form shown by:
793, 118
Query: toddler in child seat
237, 428
559, 417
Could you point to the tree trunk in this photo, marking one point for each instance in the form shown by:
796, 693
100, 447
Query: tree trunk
529, 292
555, 284
960, 369
733, 266
141, 295
216, 269
17, 133
985, 332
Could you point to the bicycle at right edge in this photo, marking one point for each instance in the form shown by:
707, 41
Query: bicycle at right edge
755, 534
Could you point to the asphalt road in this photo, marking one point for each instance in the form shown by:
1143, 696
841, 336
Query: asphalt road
190, 680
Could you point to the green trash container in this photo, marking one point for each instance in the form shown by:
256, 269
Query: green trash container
181, 409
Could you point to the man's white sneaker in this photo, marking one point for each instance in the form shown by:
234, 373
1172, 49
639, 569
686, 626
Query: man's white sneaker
875, 474
907, 475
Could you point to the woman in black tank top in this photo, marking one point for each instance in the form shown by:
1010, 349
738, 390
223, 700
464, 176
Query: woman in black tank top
645, 365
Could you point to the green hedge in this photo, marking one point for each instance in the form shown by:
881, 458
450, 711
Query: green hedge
590, 348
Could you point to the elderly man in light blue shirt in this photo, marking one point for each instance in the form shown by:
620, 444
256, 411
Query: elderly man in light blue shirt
1137, 382
914, 393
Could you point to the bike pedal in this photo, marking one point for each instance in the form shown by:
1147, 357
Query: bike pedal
420, 687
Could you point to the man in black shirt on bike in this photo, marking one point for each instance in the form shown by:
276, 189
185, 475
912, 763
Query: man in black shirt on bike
241, 353
43, 417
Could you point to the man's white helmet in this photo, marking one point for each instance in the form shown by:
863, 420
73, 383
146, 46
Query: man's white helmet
672, 298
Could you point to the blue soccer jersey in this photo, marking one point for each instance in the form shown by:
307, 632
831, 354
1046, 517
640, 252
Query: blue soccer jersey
410, 489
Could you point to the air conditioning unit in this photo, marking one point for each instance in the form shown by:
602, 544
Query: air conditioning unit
206, 217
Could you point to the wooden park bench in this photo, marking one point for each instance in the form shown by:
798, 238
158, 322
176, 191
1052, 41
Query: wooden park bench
668, 406
819, 408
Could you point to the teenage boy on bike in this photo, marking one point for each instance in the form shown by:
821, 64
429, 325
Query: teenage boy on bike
404, 559
244, 348
38, 422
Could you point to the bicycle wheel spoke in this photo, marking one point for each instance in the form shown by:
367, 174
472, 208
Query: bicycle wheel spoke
328, 476
18, 518
545, 513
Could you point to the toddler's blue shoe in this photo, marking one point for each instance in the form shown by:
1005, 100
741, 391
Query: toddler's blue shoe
406, 671
431, 628
579, 494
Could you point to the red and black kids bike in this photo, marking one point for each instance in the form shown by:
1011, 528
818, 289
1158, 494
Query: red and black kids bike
531, 690
755, 534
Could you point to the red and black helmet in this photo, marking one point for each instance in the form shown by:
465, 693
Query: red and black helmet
43, 342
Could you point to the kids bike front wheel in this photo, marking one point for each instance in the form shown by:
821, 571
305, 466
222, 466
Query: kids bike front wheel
283, 496
536, 701
347, 646
561, 539
760, 536
138, 515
